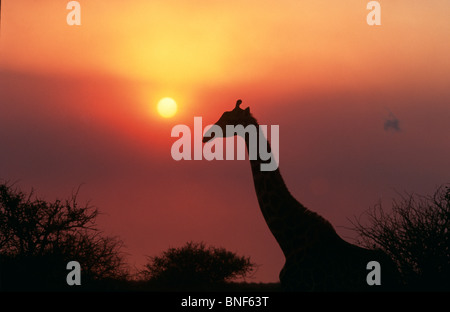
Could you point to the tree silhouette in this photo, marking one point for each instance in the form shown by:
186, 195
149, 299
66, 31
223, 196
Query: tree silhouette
38, 238
195, 265
416, 234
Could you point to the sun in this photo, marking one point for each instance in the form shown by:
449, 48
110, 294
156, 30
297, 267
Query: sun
167, 107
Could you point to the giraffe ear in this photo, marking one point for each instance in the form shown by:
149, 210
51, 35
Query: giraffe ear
247, 110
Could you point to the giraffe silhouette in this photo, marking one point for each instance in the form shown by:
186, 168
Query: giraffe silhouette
316, 257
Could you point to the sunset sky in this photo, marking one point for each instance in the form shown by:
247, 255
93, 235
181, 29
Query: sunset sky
78, 107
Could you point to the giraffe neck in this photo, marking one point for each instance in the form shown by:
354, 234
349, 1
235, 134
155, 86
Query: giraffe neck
288, 220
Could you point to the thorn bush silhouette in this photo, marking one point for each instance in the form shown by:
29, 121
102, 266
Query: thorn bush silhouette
196, 266
416, 234
38, 239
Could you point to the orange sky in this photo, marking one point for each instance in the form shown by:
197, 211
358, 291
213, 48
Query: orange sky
313, 67
178, 44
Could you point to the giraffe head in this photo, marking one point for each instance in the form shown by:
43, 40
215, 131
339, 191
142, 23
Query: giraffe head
237, 116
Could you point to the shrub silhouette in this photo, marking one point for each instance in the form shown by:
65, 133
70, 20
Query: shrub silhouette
416, 234
38, 239
195, 265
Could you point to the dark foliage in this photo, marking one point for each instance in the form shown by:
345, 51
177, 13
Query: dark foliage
416, 234
38, 239
195, 265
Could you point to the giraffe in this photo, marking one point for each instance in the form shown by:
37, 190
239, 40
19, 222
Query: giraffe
316, 257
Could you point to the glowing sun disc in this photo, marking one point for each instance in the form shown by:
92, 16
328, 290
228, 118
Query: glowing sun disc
167, 107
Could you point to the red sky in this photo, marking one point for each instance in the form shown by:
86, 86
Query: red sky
78, 106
